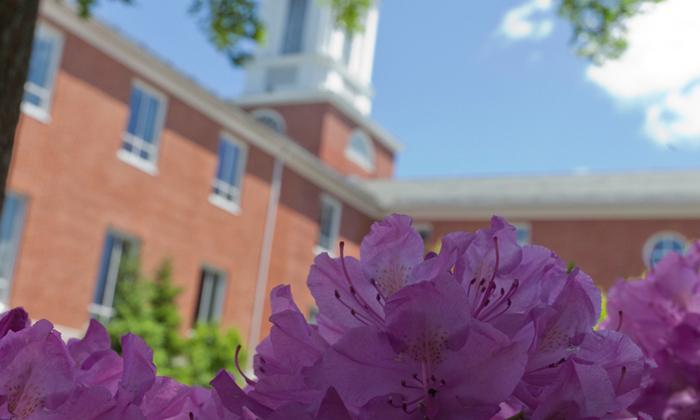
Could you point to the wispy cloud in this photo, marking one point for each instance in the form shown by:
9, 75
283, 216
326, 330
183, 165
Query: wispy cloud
660, 72
528, 21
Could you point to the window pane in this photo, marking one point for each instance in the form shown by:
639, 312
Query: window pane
134, 106
117, 251
40, 61
326, 225
10, 231
295, 27
150, 116
359, 146
104, 269
227, 173
210, 296
235, 152
270, 122
32, 98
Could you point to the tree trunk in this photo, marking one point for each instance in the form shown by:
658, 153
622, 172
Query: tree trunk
17, 20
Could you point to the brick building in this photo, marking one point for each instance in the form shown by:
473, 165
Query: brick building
117, 154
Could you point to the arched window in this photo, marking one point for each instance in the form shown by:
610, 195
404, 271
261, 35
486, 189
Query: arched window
661, 244
360, 150
271, 118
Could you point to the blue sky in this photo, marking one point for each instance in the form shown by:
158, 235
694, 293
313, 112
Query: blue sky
490, 87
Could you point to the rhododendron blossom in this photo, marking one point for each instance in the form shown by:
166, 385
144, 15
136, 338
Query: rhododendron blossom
485, 329
661, 313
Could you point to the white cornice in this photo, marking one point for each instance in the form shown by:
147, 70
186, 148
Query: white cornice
312, 96
642, 195
228, 116
314, 59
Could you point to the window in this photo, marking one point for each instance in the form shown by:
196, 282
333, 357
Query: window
118, 251
11, 225
329, 224
524, 233
211, 295
142, 135
226, 191
295, 27
272, 119
43, 66
661, 244
360, 150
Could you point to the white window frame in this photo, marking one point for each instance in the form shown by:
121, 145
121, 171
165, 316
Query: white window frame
335, 224
650, 244
232, 206
527, 227
272, 114
150, 166
43, 113
11, 259
367, 163
105, 311
219, 303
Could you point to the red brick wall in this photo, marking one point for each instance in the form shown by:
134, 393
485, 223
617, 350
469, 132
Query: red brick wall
325, 131
296, 236
604, 249
78, 189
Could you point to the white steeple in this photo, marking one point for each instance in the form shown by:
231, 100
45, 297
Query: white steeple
306, 53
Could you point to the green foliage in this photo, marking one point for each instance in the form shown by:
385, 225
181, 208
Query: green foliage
600, 26
205, 353
350, 14
570, 266
233, 26
147, 308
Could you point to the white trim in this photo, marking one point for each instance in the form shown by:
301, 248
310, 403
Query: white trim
335, 224
67, 332
229, 117
137, 162
43, 113
224, 204
654, 239
322, 60
272, 114
368, 163
265, 256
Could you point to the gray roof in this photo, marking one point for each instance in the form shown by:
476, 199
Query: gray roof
641, 195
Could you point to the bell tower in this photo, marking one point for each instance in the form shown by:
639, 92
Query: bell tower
306, 54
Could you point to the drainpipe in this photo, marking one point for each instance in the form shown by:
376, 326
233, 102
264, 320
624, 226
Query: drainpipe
265, 255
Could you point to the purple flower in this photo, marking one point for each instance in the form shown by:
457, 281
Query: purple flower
352, 292
661, 313
43, 378
36, 371
433, 360
14, 320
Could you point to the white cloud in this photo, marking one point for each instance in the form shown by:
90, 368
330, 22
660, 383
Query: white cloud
660, 71
528, 21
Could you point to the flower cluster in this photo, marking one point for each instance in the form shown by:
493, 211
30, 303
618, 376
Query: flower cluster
661, 313
484, 328
41, 377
